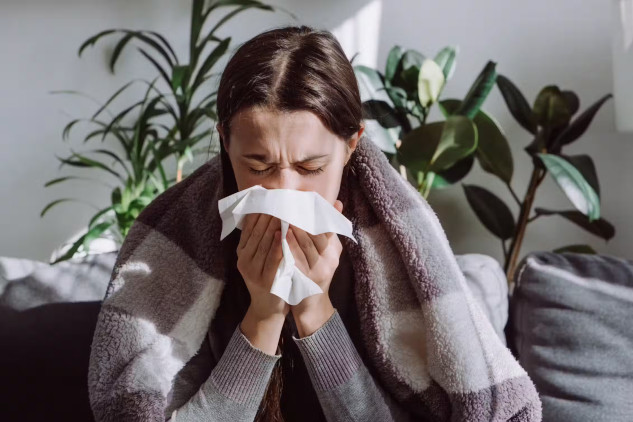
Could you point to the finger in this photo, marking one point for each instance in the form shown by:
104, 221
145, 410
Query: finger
264, 244
320, 241
273, 259
305, 243
249, 222
297, 252
256, 235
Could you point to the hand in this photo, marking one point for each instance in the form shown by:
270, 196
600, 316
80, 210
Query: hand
258, 257
317, 256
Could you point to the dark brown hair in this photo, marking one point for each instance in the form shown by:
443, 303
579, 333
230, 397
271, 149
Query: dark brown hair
284, 69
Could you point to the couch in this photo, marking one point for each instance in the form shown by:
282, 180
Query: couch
566, 321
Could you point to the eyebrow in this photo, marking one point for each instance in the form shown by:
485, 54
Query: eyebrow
264, 158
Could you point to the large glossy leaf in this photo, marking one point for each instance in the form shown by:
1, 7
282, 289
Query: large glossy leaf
493, 150
446, 60
385, 139
381, 112
479, 91
573, 102
453, 174
370, 84
458, 140
407, 71
419, 145
430, 82
585, 166
579, 125
573, 184
393, 59
551, 108
600, 227
493, 213
517, 104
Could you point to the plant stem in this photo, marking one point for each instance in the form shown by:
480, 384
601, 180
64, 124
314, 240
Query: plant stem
517, 240
514, 195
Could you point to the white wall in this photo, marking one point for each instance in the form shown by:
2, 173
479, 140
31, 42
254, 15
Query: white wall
536, 43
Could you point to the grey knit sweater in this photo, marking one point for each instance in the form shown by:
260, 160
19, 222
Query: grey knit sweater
345, 388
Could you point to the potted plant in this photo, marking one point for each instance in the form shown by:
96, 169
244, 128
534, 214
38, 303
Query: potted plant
165, 123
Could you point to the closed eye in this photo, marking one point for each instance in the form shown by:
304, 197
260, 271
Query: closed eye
308, 171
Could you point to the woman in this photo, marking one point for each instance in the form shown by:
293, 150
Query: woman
408, 343
285, 122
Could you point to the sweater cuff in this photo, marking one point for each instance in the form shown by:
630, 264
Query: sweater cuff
243, 371
329, 354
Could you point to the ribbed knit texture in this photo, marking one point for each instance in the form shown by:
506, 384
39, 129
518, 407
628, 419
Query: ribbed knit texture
329, 354
243, 371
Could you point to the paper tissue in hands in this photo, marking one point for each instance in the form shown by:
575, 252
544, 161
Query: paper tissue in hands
307, 210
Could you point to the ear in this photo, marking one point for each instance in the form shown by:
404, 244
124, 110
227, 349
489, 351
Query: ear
353, 141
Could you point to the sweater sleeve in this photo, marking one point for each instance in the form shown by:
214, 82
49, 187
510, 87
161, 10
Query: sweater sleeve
235, 388
345, 388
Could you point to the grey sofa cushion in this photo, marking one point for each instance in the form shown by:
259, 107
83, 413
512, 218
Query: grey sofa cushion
25, 283
486, 279
571, 317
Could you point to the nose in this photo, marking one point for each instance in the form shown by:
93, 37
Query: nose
284, 179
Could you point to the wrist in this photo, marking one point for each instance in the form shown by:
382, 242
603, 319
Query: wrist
311, 316
263, 332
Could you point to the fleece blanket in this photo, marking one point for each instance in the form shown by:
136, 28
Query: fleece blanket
429, 342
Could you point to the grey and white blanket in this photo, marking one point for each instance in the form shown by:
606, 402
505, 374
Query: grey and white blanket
431, 345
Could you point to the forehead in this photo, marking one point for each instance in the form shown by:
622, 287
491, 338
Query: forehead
257, 126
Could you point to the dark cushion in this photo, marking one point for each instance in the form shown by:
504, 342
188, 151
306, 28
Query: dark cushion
571, 318
44, 360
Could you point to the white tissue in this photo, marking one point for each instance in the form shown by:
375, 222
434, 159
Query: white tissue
307, 210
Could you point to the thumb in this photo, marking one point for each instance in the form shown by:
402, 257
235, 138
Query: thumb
338, 205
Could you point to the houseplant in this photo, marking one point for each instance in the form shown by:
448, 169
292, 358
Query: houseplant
165, 123
400, 99
551, 121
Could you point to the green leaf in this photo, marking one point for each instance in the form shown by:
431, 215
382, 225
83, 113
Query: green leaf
600, 227
419, 145
96, 217
385, 139
211, 59
550, 108
453, 174
407, 71
95, 233
382, 112
446, 60
586, 249
370, 82
517, 104
393, 59
60, 179
430, 83
584, 164
493, 213
493, 150
52, 204
479, 91
573, 184
572, 100
118, 49
576, 129
92, 40
458, 140
71, 251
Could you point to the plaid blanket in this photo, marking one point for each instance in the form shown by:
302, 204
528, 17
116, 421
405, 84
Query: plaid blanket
429, 342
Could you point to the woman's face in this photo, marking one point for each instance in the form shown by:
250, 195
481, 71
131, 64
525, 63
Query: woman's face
287, 151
